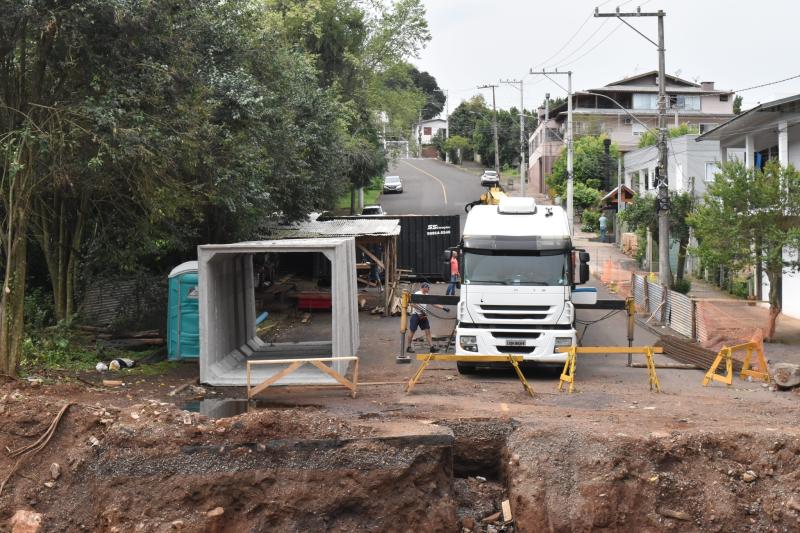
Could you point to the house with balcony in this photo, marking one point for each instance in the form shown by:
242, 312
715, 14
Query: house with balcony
607, 110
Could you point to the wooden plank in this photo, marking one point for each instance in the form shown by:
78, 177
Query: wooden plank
300, 360
675, 366
507, 511
372, 256
471, 358
335, 375
266, 383
610, 349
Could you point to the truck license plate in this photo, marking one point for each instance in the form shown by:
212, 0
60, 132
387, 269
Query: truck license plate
515, 342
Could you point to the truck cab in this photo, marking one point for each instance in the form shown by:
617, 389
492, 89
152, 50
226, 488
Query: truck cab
519, 272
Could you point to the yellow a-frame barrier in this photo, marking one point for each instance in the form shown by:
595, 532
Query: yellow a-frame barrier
568, 374
726, 353
428, 357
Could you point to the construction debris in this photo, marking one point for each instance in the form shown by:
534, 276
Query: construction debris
786, 375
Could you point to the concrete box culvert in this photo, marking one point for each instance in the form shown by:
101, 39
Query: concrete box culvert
227, 313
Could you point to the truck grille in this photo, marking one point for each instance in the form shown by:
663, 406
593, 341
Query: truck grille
515, 312
544, 308
519, 316
514, 335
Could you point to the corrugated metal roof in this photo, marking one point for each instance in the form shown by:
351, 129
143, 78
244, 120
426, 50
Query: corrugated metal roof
352, 227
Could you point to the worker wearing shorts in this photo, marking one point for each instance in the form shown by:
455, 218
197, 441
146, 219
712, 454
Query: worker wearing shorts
419, 319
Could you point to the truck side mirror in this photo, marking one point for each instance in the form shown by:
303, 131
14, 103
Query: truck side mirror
584, 273
583, 268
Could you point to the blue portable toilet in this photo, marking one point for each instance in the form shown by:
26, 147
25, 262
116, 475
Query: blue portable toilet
183, 316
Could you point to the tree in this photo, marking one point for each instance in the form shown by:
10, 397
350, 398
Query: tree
649, 138
589, 165
457, 145
465, 116
434, 96
737, 104
641, 216
752, 216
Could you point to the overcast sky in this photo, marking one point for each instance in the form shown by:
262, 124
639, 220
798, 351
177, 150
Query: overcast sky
476, 42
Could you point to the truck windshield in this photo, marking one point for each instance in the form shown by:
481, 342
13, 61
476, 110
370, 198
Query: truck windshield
507, 267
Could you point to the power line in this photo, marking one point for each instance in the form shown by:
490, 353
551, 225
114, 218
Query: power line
766, 84
594, 48
572, 38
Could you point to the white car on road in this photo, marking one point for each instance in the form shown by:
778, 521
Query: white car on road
392, 184
489, 178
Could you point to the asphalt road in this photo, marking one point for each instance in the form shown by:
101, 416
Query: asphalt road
431, 187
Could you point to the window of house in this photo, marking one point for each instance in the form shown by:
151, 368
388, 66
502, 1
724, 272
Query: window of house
687, 102
638, 129
712, 168
723, 98
645, 101
706, 126
426, 130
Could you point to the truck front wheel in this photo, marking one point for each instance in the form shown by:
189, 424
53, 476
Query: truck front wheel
465, 368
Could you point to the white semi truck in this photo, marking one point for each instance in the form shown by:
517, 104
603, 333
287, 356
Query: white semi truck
519, 272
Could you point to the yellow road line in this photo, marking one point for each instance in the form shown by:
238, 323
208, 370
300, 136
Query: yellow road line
444, 191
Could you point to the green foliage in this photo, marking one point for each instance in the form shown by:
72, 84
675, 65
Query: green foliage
649, 138
737, 104
590, 220
739, 288
585, 197
641, 214
456, 145
751, 215
589, 165
682, 286
464, 118
56, 348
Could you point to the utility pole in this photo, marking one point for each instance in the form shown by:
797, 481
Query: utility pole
447, 122
494, 126
522, 167
662, 198
568, 140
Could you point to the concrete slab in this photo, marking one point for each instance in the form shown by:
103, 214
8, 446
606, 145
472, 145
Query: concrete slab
227, 313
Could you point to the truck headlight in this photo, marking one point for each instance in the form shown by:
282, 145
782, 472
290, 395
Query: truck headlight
469, 343
563, 341
569, 312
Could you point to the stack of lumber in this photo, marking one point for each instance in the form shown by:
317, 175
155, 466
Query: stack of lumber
126, 340
689, 352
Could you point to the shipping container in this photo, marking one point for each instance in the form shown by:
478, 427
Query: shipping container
422, 244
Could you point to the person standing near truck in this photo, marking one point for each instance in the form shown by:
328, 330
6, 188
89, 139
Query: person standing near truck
451, 289
419, 319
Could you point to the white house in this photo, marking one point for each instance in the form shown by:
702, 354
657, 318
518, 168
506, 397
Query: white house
768, 131
426, 130
690, 165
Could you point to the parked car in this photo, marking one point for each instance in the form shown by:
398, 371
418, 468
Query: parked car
392, 184
372, 210
489, 178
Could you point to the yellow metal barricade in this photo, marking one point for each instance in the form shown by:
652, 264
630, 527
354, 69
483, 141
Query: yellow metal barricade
726, 354
568, 373
427, 358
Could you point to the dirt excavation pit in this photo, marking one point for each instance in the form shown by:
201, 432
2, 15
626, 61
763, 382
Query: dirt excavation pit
151, 466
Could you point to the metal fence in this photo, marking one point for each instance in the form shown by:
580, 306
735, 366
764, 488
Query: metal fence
702, 320
671, 308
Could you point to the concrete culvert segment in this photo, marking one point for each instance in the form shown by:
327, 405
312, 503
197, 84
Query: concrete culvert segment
228, 314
